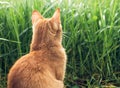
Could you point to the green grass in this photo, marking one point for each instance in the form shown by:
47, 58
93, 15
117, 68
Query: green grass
91, 38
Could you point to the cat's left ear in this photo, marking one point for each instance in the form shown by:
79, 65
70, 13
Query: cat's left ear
36, 16
56, 16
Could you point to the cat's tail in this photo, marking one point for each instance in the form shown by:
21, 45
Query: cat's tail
51, 81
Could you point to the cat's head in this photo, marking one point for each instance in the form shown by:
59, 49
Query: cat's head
46, 31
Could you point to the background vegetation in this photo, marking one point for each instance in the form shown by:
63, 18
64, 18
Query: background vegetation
91, 38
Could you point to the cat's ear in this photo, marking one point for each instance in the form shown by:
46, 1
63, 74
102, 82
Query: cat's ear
35, 16
56, 16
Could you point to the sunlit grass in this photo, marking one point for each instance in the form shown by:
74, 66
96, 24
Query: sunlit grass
91, 38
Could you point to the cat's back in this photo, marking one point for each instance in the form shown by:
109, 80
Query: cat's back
33, 71
25, 70
26, 63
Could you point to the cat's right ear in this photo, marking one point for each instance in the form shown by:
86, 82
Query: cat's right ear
36, 16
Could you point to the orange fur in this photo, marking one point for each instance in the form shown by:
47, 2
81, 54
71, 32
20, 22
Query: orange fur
44, 66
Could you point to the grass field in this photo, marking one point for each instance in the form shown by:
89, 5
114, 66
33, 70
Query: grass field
91, 38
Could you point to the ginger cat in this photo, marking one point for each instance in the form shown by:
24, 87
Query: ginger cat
44, 66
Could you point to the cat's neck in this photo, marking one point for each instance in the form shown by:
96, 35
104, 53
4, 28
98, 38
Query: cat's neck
43, 46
